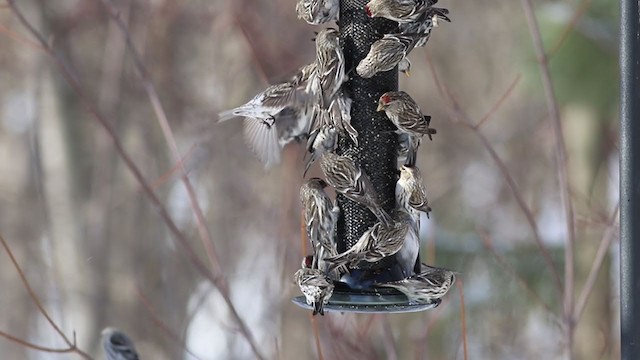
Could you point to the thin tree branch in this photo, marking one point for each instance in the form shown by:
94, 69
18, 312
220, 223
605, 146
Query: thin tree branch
607, 238
216, 278
577, 15
32, 346
486, 240
72, 344
499, 103
161, 324
463, 119
463, 319
561, 167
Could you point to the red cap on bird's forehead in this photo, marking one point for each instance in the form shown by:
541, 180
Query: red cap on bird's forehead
308, 261
385, 98
367, 10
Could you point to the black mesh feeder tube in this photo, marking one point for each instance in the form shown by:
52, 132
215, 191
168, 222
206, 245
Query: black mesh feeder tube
376, 154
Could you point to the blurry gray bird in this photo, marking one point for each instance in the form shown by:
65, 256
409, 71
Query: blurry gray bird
117, 345
350, 180
408, 148
400, 11
427, 287
340, 110
315, 285
405, 114
425, 24
323, 138
411, 193
275, 117
329, 73
386, 53
317, 12
376, 243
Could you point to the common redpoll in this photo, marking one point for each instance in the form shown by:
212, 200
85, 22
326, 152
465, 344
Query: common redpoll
275, 117
405, 114
427, 287
340, 110
385, 54
411, 193
117, 345
329, 73
350, 180
376, 243
317, 12
401, 11
323, 138
425, 24
316, 287
320, 213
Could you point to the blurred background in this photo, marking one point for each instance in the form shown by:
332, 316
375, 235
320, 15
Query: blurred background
98, 252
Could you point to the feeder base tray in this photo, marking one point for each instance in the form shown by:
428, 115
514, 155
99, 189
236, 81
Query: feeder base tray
368, 301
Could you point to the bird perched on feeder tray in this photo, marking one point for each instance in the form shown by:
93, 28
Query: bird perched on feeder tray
117, 345
427, 287
275, 117
405, 114
377, 243
350, 180
317, 12
316, 287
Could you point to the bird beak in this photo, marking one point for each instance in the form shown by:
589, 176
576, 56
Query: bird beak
408, 73
380, 107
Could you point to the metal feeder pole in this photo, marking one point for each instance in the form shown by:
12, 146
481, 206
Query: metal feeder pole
376, 151
630, 179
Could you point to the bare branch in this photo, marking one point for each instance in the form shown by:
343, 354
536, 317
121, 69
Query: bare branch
215, 278
463, 319
38, 303
486, 240
161, 324
607, 238
36, 347
561, 167
498, 104
463, 119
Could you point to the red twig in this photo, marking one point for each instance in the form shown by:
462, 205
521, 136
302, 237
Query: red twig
463, 319
506, 266
72, 344
463, 119
161, 324
498, 104
316, 336
607, 238
29, 345
216, 278
562, 172
582, 8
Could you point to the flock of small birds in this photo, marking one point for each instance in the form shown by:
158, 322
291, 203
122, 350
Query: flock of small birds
313, 106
